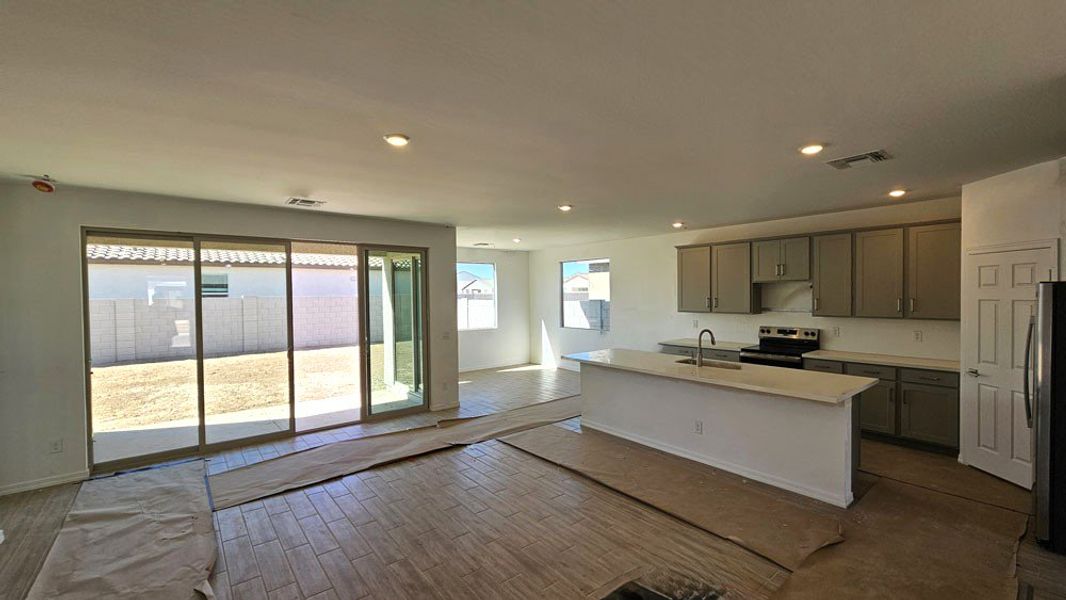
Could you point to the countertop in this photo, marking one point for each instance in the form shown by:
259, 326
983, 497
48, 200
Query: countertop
888, 360
829, 388
693, 343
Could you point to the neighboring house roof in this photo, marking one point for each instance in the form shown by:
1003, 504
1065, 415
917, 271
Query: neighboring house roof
476, 284
158, 254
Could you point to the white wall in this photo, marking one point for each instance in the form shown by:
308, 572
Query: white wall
644, 293
508, 344
1020, 206
42, 390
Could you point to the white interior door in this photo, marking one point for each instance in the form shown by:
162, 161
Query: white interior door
998, 298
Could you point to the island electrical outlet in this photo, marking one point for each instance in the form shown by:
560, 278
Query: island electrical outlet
698, 427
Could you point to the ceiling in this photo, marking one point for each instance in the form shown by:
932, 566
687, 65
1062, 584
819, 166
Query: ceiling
637, 113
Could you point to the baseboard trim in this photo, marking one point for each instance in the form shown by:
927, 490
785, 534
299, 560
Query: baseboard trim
44, 482
842, 500
496, 365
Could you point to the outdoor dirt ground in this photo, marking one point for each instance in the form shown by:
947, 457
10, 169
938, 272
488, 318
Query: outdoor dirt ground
146, 393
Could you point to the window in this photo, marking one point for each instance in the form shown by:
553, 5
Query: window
214, 285
475, 285
587, 294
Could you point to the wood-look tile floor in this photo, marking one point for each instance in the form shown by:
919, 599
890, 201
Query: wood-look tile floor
484, 521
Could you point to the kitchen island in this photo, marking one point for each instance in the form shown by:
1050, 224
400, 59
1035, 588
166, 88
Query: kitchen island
789, 428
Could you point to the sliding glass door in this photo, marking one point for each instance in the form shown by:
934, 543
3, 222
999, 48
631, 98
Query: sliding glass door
325, 327
142, 340
394, 319
244, 302
197, 343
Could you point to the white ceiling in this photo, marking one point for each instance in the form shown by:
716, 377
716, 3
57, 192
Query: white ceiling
638, 113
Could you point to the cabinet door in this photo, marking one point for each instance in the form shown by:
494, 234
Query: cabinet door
731, 278
877, 408
929, 414
879, 273
832, 275
694, 279
766, 261
795, 259
933, 267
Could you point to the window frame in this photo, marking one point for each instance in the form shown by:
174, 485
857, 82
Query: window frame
562, 293
495, 296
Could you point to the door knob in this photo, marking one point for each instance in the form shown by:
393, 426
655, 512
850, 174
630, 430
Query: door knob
973, 372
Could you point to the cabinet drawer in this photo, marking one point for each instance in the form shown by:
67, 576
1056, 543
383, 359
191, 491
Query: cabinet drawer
726, 355
943, 378
679, 350
878, 371
825, 366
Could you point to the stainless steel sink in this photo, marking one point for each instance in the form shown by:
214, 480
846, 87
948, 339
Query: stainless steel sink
720, 364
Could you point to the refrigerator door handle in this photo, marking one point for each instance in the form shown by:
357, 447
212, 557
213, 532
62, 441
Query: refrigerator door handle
1027, 365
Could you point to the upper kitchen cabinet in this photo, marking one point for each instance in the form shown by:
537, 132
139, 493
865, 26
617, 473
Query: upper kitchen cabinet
731, 285
781, 260
879, 273
694, 279
831, 275
933, 268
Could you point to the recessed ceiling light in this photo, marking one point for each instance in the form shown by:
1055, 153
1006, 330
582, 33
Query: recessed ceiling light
678, 225
812, 149
397, 139
516, 240
566, 207
898, 193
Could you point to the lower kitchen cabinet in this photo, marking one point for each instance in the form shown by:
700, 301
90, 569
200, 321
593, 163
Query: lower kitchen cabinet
877, 408
929, 413
900, 408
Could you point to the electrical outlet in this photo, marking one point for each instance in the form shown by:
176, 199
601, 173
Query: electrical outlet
56, 446
918, 336
836, 332
695, 323
698, 427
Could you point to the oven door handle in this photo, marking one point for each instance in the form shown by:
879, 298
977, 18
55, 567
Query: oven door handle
765, 356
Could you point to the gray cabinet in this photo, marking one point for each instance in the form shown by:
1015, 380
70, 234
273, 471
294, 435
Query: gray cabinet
825, 366
933, 271
731, 289
877, 405
929, 413
877, 408
879, 273
694, 279
831, 275
781, 260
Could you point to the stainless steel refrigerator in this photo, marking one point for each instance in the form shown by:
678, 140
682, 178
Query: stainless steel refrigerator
1045, 403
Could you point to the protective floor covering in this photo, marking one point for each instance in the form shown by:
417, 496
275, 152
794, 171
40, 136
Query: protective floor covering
904, 541
775, 524
322, 463
146, 534
943, 474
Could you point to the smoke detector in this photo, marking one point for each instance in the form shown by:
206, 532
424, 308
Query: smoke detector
304, 202
859, 160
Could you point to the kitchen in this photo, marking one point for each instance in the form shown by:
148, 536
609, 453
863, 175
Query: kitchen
911, 323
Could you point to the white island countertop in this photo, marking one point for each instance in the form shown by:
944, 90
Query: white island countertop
795, 383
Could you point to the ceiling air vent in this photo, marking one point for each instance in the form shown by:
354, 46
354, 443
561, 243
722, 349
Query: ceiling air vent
859, 160
304, 202
482, 244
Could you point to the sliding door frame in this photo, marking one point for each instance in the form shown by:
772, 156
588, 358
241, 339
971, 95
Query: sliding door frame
364, 342
203, 447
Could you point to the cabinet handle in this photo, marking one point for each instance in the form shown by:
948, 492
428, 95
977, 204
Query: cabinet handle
892, 396
708, 301
782, 269
912, 305
816, 303
716, 301
899, 305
